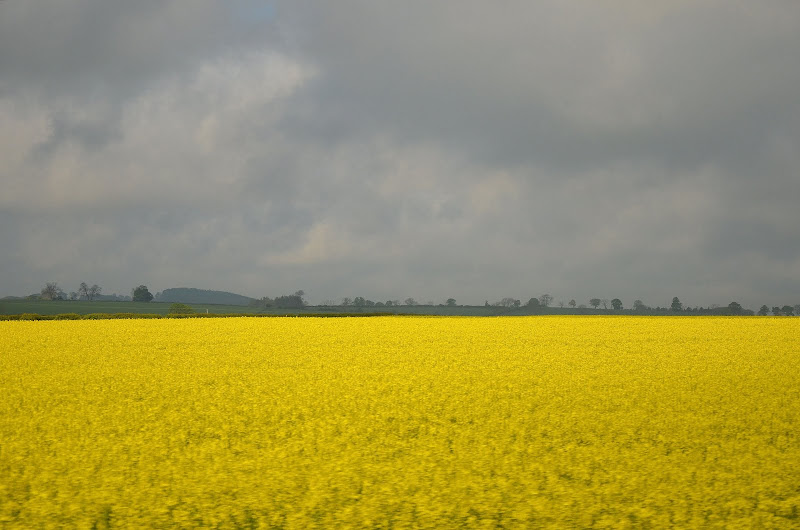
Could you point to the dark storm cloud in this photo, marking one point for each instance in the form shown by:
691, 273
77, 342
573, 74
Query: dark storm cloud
113, 48
405, 149
561, 85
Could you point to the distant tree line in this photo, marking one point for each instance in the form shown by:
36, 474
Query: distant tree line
786, 311
287, 301
545, 302
297, 300
52, 291
89, 293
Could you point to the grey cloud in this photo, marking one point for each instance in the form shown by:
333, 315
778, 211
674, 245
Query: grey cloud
407, 149
111, 49
565, 86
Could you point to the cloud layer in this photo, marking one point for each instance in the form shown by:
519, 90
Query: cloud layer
362, 149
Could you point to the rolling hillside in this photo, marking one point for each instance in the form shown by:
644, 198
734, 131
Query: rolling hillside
188, 295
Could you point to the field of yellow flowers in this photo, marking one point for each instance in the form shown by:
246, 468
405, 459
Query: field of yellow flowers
400, 422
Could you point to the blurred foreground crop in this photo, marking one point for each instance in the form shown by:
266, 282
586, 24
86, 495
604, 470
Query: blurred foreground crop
400, 422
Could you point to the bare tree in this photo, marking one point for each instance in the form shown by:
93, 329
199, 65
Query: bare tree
410, 301
604, 301
51, 291
90, 293
347, 301
545, 300
572, 303
94, 292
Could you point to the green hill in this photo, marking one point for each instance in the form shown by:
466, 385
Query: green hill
187, 295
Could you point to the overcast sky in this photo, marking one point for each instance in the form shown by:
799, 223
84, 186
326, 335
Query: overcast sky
464, 149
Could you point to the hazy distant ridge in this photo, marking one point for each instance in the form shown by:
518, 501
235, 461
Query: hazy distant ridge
189, 295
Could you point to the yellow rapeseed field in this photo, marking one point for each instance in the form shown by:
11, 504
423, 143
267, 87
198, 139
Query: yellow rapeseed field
400, 422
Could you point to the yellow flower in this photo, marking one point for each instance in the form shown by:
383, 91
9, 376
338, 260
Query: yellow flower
405, 422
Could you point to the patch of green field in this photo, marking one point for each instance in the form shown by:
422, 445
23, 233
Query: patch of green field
82, 307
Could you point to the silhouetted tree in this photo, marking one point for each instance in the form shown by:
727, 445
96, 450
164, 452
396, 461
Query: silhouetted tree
572, 303
776, 311
735, 308
506, 302
676, 305
410, 301
604, 301
451, 302
595, 302
517, 303
73, 295
347, 301
616, 303
359, 301
797, 309
788, 310
293, 301
638, 305
533, 303
261, 303
545, 300
90, 293
763, 311
141, 294
51, 291
181, 309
